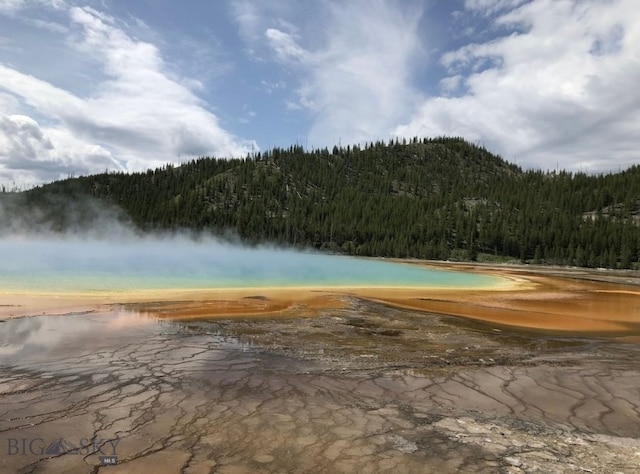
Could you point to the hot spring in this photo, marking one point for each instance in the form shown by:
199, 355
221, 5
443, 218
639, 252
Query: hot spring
82, 265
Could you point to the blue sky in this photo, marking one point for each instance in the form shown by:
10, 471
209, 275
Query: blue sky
88, 86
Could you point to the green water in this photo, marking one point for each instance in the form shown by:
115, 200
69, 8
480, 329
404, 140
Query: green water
75, 265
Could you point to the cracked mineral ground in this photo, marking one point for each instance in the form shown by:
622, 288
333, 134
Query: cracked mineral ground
359, 388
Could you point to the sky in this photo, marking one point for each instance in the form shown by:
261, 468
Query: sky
127, 85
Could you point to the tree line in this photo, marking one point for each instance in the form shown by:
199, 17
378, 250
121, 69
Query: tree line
441, 198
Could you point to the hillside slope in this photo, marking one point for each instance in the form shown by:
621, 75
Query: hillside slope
437, 199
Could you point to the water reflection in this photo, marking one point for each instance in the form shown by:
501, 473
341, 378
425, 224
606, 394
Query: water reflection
121, 337
38, 337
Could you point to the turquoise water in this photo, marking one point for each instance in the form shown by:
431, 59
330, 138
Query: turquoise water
81, 265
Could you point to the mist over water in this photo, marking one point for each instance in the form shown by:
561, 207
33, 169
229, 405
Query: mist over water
68, 264
98, 251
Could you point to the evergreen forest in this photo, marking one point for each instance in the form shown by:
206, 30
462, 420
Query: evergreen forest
440, 198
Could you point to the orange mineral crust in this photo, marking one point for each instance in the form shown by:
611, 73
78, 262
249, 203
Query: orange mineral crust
538, 299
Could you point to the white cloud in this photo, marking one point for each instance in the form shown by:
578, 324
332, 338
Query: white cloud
285, 45
48, 25
490, 7
137, 114
254, 18
23, 135
11, 6
248, 18
36, 153
451, 83
561, 88
8, 103
270, 86
354, 79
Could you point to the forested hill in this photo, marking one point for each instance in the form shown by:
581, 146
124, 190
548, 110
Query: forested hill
438, 198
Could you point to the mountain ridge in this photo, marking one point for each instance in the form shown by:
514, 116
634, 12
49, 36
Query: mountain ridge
440, 198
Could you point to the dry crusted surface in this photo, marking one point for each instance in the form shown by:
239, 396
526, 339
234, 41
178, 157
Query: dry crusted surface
365, 388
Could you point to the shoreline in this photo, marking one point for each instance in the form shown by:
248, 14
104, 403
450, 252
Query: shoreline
561, 300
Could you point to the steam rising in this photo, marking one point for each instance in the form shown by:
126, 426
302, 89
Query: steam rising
105, 254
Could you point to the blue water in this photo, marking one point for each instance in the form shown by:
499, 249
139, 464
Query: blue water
92, 265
